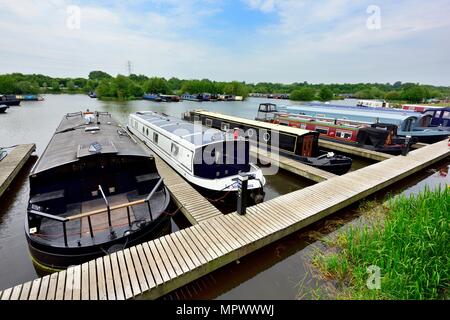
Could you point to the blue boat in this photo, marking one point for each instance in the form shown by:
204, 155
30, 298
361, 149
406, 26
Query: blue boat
92, 94
409, 123
192, 97
152, 97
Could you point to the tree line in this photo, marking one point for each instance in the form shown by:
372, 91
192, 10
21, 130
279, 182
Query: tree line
134, 86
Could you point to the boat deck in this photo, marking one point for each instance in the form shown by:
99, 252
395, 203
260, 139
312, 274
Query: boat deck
356, 151
78, 230
159, 266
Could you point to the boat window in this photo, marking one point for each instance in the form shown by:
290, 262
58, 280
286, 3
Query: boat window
446, 115
322, 130
250, 132
343, 135
196, 118
209, 123
266, 136
155, 137
225, 126
143, 129
174, 149
146, 132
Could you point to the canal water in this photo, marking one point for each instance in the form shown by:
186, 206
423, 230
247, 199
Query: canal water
275, 272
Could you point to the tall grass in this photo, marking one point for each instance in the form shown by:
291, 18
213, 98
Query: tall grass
410, 244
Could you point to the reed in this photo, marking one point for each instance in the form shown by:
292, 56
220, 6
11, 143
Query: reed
410, 244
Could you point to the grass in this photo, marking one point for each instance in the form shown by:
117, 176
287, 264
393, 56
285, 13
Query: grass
408, 238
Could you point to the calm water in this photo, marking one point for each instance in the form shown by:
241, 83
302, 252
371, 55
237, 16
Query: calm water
273, 272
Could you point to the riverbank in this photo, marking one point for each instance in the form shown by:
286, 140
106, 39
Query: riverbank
406, 239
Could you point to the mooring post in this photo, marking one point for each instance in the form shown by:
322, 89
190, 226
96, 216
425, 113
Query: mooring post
405, 150
242, 194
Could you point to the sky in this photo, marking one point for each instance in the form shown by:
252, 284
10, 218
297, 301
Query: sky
318, 41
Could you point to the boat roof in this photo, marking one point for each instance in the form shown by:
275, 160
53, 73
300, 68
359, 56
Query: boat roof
356, 112
194, 134
74, 139
255, 123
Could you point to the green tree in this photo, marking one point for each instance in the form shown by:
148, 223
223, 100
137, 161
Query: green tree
7, 84
415, 94
55, 86
393, 96
325, 94
71, 86
236, 88
303, 94
157, 85
99, 75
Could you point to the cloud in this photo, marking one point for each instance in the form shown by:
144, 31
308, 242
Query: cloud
287, 41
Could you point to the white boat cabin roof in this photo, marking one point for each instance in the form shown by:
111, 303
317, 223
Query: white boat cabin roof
196, 135
255, 123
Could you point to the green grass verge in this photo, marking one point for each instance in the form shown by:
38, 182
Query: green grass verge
408, 238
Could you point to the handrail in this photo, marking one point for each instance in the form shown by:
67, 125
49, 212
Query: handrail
154, 189
107, 205
48, 216
64, 220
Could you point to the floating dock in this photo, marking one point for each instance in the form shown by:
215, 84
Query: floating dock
159, 266
360, 152
191, 203
13, 163
292, 165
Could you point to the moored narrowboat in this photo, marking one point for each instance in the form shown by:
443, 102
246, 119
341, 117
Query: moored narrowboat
93, 191
9, 100
299, 144
377, 137
207, 158
409, 124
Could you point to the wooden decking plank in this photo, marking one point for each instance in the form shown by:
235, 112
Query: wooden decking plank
242, 237
131, 272
76, 283
180, 254
109, 279
101, 280
139, 269
253, 232
159, 262
199, 252
223, 234
127, 289
68, 287
238, 239
170, 257
43, 288
145, 267
85, 281
61, 285
210, 240
116, 276
34, 292
26, 287
51, 293
16, 292
157, 274
93, 288
195, 262
207, 251
6, 294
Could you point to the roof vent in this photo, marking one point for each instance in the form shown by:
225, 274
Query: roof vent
91, 129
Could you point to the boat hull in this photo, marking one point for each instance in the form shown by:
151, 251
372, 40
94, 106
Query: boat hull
9, 103
3, 109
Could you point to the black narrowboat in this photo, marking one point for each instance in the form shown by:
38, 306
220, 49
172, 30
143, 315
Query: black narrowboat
93, 191
301, 145
9, 100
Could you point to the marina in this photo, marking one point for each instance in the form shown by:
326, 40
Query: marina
159, 266
187, 200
